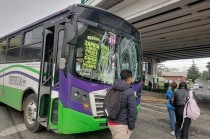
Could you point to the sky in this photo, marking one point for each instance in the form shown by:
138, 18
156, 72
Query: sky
183, 65
15, 14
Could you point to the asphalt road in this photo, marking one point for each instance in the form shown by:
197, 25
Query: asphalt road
152, 122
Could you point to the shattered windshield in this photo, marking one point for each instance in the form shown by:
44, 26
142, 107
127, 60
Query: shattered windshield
101, 55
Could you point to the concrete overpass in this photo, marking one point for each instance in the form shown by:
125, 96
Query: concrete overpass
170, 29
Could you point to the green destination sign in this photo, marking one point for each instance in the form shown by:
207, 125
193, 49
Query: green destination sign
91, 52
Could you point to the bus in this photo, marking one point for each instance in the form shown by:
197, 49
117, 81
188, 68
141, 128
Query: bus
57, 70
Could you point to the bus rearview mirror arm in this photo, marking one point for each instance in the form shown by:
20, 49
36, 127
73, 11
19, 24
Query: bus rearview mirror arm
62, 64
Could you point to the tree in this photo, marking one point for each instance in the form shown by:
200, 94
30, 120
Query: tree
193, 72
208, 67
205, 75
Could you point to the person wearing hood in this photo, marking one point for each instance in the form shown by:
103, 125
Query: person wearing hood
124, 124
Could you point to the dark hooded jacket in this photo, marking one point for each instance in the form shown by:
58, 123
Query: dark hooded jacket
128, 110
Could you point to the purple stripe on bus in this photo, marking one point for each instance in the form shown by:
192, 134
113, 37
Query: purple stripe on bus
65, 91
21, 73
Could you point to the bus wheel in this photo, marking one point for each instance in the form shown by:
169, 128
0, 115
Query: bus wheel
1, 104
30, 111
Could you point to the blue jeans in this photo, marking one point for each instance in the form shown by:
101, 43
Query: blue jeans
171, 117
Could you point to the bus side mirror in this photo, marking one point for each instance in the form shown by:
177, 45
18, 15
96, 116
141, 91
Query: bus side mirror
70, 31
62, 64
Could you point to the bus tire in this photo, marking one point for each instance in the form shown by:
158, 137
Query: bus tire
1, 104
30, 110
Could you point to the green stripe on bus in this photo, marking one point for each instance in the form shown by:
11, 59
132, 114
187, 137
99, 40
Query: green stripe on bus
20, 66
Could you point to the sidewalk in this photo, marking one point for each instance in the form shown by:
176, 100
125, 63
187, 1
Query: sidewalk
153, 97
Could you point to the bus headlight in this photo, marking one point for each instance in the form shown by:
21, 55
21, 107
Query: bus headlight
84, 97
76, 94
81, 96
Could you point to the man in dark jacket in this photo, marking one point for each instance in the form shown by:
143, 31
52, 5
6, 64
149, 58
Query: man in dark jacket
124, 124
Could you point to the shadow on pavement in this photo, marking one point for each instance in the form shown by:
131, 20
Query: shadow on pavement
102, 134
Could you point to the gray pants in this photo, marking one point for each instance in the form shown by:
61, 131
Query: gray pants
120, 131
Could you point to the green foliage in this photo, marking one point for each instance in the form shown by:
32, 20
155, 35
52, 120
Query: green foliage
193, 72
159, 90
144, 87
83, 1
208, 66
166, 85
206, 74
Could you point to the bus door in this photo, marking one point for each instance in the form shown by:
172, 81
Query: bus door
46, 76
53, 113
49, 85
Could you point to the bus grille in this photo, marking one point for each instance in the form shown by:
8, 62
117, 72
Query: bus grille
97, 102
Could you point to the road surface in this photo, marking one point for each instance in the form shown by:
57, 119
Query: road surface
152, 122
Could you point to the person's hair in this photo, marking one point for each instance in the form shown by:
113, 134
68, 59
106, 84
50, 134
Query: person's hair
183, 85
173, 85
125, 74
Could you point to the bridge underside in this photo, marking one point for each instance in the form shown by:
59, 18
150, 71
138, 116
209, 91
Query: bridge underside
179, 33
180, 30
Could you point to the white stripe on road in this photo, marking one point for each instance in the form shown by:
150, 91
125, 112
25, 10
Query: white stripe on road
13, 130
154, 106
153, 110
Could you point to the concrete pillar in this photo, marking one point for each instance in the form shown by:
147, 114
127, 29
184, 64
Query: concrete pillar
151, 73
145, 73
154, 74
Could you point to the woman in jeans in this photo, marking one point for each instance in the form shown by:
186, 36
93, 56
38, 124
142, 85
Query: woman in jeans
170, 108
180, 99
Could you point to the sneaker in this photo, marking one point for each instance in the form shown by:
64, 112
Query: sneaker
173, 133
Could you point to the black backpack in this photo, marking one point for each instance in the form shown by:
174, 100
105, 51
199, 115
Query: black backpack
112, 103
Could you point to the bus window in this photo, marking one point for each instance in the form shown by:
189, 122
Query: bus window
31, 51
28, 38
34, 36
60, 44
3, 46
14, 49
